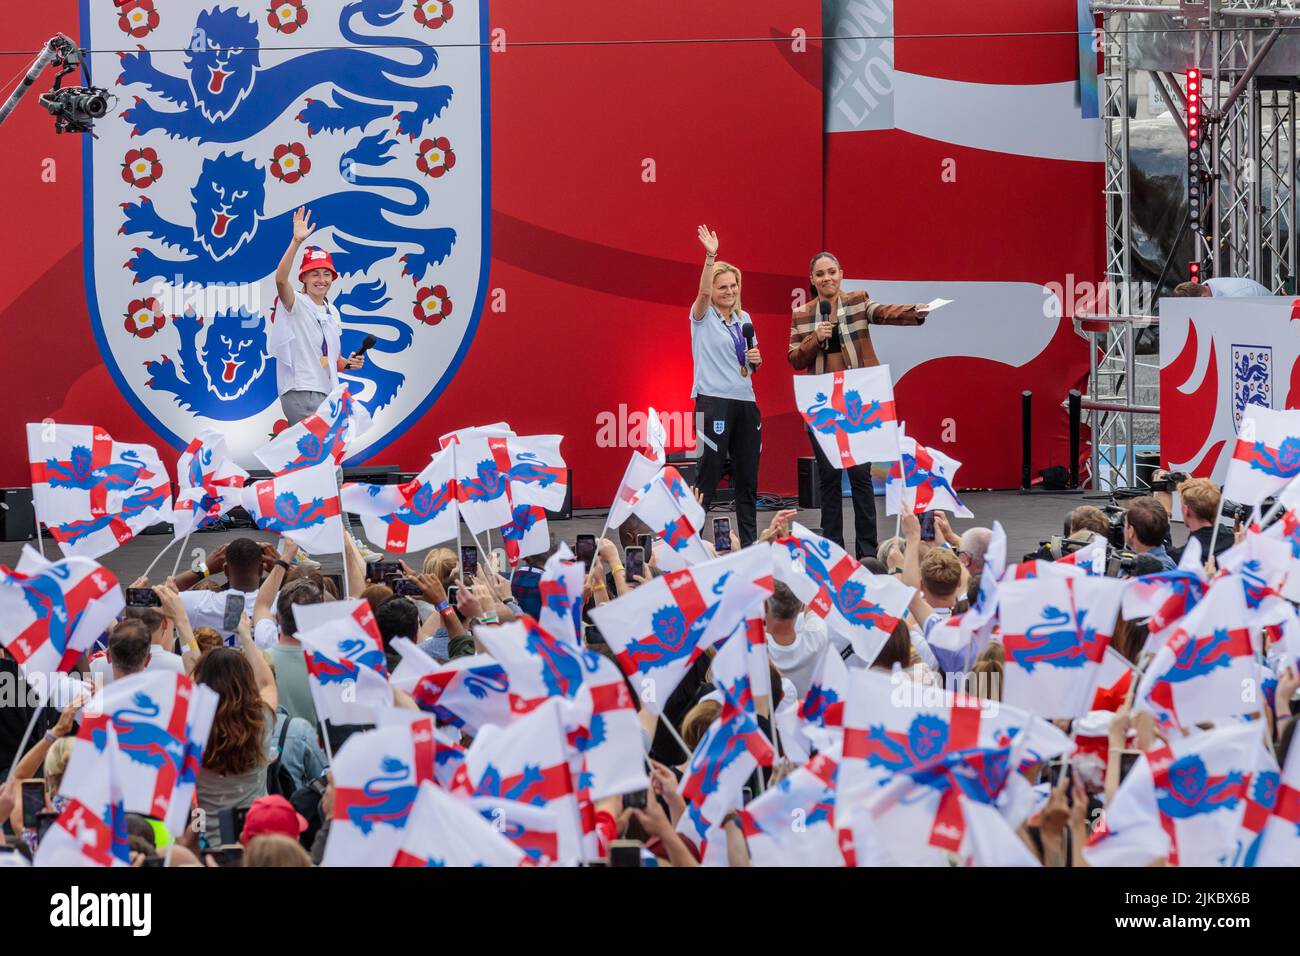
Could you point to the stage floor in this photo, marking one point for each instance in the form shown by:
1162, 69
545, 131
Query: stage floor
1026, 518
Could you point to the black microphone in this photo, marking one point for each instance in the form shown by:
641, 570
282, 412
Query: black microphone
824, 308
366, 344
747, 330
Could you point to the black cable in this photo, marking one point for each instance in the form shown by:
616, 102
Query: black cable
696, 40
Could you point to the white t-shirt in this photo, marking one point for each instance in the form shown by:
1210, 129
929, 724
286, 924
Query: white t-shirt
1235, 287
159, 660
796, 661
295, 342
208, 609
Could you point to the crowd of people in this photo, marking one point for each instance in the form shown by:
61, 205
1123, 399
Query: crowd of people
264, 792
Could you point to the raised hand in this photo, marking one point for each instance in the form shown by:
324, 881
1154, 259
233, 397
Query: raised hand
302, 225
709, 240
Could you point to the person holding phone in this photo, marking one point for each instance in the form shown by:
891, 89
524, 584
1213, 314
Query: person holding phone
830, 334
724, 347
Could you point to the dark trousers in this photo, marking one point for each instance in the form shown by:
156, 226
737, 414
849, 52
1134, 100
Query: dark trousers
864, 503
729, 427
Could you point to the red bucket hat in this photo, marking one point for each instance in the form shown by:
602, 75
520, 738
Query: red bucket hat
314, 257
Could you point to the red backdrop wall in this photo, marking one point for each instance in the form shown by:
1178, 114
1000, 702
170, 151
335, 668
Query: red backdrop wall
598, 266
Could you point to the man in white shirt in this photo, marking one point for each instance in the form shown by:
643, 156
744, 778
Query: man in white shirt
795, 638
241, 561
127, 656
1223, 287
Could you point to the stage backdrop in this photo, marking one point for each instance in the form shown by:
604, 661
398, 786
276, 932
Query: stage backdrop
515, 222
1216, 357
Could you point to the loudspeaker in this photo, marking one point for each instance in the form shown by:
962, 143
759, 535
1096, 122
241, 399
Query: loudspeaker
17, 514
810, 492
566, 509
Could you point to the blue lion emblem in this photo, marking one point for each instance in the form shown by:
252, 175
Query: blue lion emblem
354, 653
489, 485
1056, 641
816, 706
426, 503
135, 505
141, 741
925, 741
854, 417
290, 515
1199, 657
523, 519
389, 805
526, 787
851, 600
216, 103
708, 762
1191, 791
44, 595
561, 668
79, 472
1264, 791
528, 469
671, 638
225, 378
1283, 461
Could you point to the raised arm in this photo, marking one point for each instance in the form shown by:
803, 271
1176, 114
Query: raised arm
709, 240
302, 228
878, 313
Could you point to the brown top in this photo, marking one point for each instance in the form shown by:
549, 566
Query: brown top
857, 313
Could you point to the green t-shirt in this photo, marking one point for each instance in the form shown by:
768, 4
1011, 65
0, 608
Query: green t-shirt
291, 681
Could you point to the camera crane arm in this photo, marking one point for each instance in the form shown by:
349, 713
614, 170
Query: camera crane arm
74, 108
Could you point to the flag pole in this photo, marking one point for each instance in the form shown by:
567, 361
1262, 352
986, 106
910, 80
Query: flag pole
1214, 535
672, 732
40, 538
177, 566
158, 557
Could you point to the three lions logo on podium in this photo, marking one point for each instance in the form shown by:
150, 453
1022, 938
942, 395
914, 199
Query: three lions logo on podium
372, 115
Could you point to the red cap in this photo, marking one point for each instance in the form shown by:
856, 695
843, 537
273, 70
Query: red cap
314, 257
272, 814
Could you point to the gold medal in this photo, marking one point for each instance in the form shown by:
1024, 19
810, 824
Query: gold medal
744, 372
324, 362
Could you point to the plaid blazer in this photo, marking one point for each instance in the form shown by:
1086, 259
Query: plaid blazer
857, 313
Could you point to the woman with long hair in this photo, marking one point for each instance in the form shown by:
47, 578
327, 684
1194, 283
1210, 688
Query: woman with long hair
724, 347
233, 773
829, 334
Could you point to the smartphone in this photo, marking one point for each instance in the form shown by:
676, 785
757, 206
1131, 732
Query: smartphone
382, 571
234, 610
231, 824
721, 535
44, 820
634, 563
499, 560
635, 800
33, 790
625, 853
646, 543
468, 561
926, 518
142, 597
227, 855
404, 587
585, 549
592, 634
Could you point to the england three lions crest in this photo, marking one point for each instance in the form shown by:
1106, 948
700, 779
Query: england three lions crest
231, 115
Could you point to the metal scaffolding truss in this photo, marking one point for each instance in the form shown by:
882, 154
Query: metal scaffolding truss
1248, 150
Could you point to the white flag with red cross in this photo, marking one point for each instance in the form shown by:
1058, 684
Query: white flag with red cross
851, 414
94, 493
412, 516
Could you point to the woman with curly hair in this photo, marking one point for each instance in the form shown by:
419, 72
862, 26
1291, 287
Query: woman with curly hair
233, 773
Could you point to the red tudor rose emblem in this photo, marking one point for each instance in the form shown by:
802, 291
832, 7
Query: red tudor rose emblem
435, 157
137, 18
289, 162
432, 13
432, 305
140, 167
144, 318
287, 15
